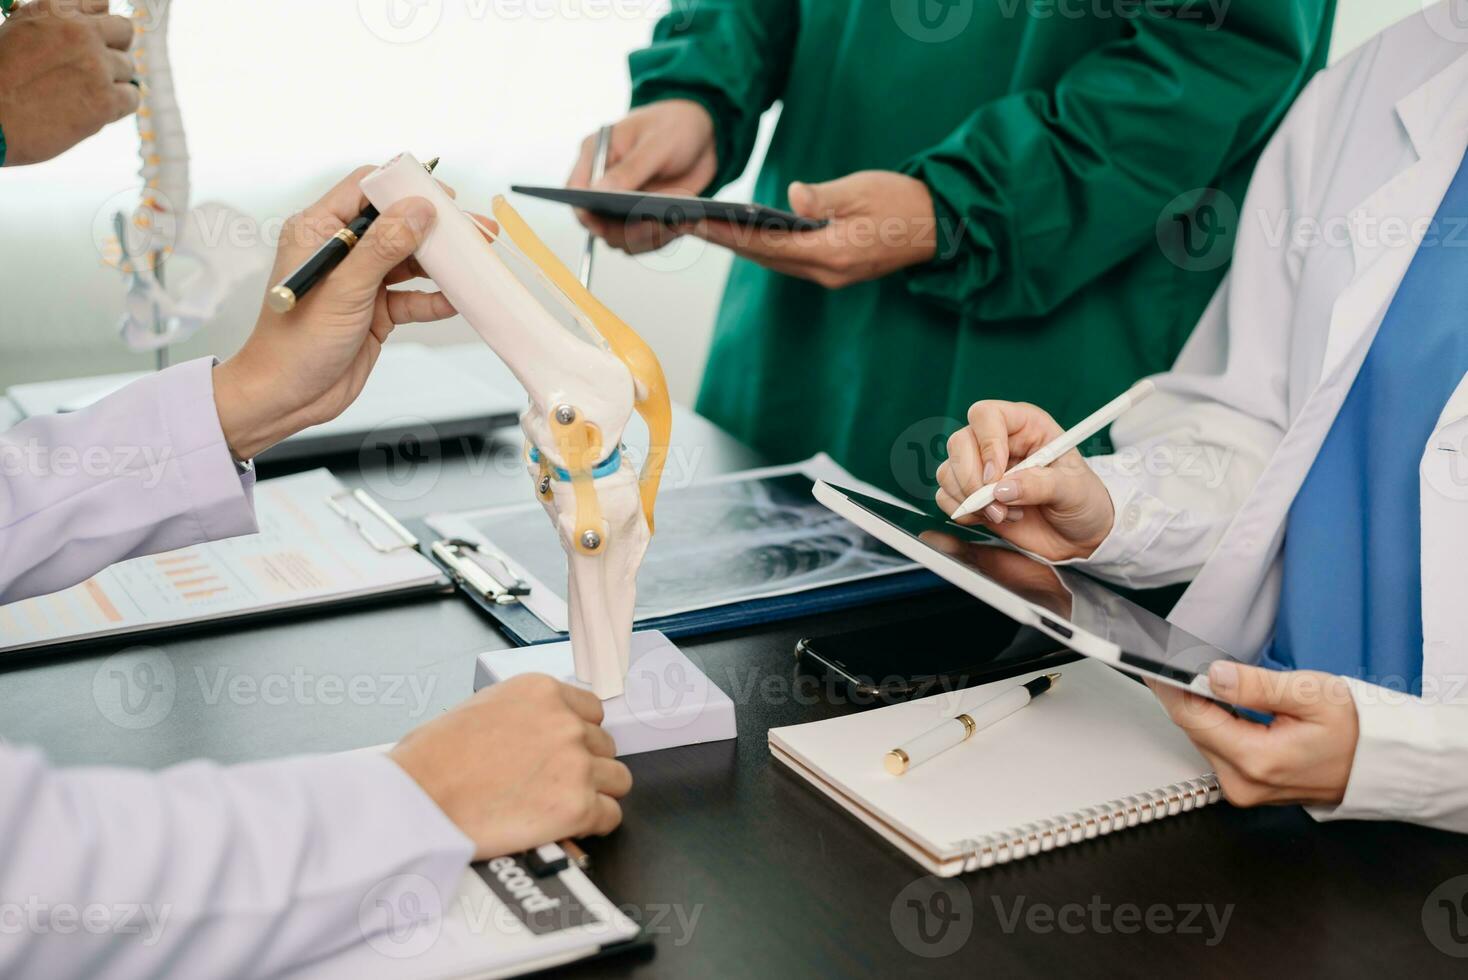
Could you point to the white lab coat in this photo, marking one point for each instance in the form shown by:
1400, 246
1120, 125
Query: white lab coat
199, 870
1206, 470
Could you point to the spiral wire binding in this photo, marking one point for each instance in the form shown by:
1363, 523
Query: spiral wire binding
1097, 821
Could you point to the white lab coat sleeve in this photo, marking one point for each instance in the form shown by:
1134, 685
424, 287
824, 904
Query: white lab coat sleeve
1411, 756
145, 470
207, 871
1188, 457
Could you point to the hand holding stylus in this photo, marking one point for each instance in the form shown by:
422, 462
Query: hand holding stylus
1059, 511
1062, 444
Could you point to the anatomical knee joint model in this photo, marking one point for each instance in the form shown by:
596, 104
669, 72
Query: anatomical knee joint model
585, 371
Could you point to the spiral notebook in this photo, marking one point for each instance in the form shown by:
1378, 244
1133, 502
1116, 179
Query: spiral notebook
1094, 756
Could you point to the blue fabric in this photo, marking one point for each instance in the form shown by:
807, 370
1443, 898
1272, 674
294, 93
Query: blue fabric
1352, 598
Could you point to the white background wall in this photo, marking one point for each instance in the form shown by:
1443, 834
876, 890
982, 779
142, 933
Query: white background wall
282, 97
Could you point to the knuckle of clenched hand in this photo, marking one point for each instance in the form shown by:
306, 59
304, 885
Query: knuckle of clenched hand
531, 687
70, 31
581, 808
569, 728
96, 70
576, 764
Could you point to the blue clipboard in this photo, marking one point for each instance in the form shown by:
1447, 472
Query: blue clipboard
487, 583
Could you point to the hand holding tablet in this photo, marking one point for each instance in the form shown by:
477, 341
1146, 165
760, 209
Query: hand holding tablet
844, 229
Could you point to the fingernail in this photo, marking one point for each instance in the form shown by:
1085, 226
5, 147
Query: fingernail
419, 216
989, 473
1006, 491
1223, 676
1015, 515
994, 513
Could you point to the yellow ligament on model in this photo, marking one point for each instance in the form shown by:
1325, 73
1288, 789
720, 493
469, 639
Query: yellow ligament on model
651, 390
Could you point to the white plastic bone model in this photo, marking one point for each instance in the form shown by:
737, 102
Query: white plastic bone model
584, 384
163, 228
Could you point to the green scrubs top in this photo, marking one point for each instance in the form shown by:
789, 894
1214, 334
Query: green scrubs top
1086, 159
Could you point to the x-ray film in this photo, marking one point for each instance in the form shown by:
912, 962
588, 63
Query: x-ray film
745, 537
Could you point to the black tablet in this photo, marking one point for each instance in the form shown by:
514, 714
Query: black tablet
671, 209
1070, 608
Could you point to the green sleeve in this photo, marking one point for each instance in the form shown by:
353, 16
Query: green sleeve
730, 56
1042, 191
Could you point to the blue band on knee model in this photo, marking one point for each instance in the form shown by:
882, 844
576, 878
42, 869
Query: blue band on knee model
606, 467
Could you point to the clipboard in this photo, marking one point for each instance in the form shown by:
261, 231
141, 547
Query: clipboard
338, 547
486, 579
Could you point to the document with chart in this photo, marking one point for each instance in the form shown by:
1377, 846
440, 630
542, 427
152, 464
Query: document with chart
318, 544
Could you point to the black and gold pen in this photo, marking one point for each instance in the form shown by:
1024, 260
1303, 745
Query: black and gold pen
283, 298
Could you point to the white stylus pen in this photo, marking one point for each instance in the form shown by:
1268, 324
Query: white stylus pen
1067, 441
956, 731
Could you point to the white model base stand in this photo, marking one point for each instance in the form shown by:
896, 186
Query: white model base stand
669, 701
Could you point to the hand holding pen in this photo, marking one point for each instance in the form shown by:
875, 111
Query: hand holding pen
304, 368
283, 297
1056, 507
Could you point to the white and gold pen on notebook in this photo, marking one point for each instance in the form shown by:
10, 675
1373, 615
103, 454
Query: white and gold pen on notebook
955, 731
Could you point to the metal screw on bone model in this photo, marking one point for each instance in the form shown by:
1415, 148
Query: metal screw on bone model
544, 485
565, 414
590, 540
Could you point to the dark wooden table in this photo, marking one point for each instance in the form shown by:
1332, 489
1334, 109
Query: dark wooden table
741, 870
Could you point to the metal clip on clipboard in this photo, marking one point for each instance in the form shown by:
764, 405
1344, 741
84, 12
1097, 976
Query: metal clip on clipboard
486, 572
359, 497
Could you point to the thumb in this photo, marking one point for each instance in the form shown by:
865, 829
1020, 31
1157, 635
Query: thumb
393, 237
633, 170
1297, 693
1042, 486
827, 200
